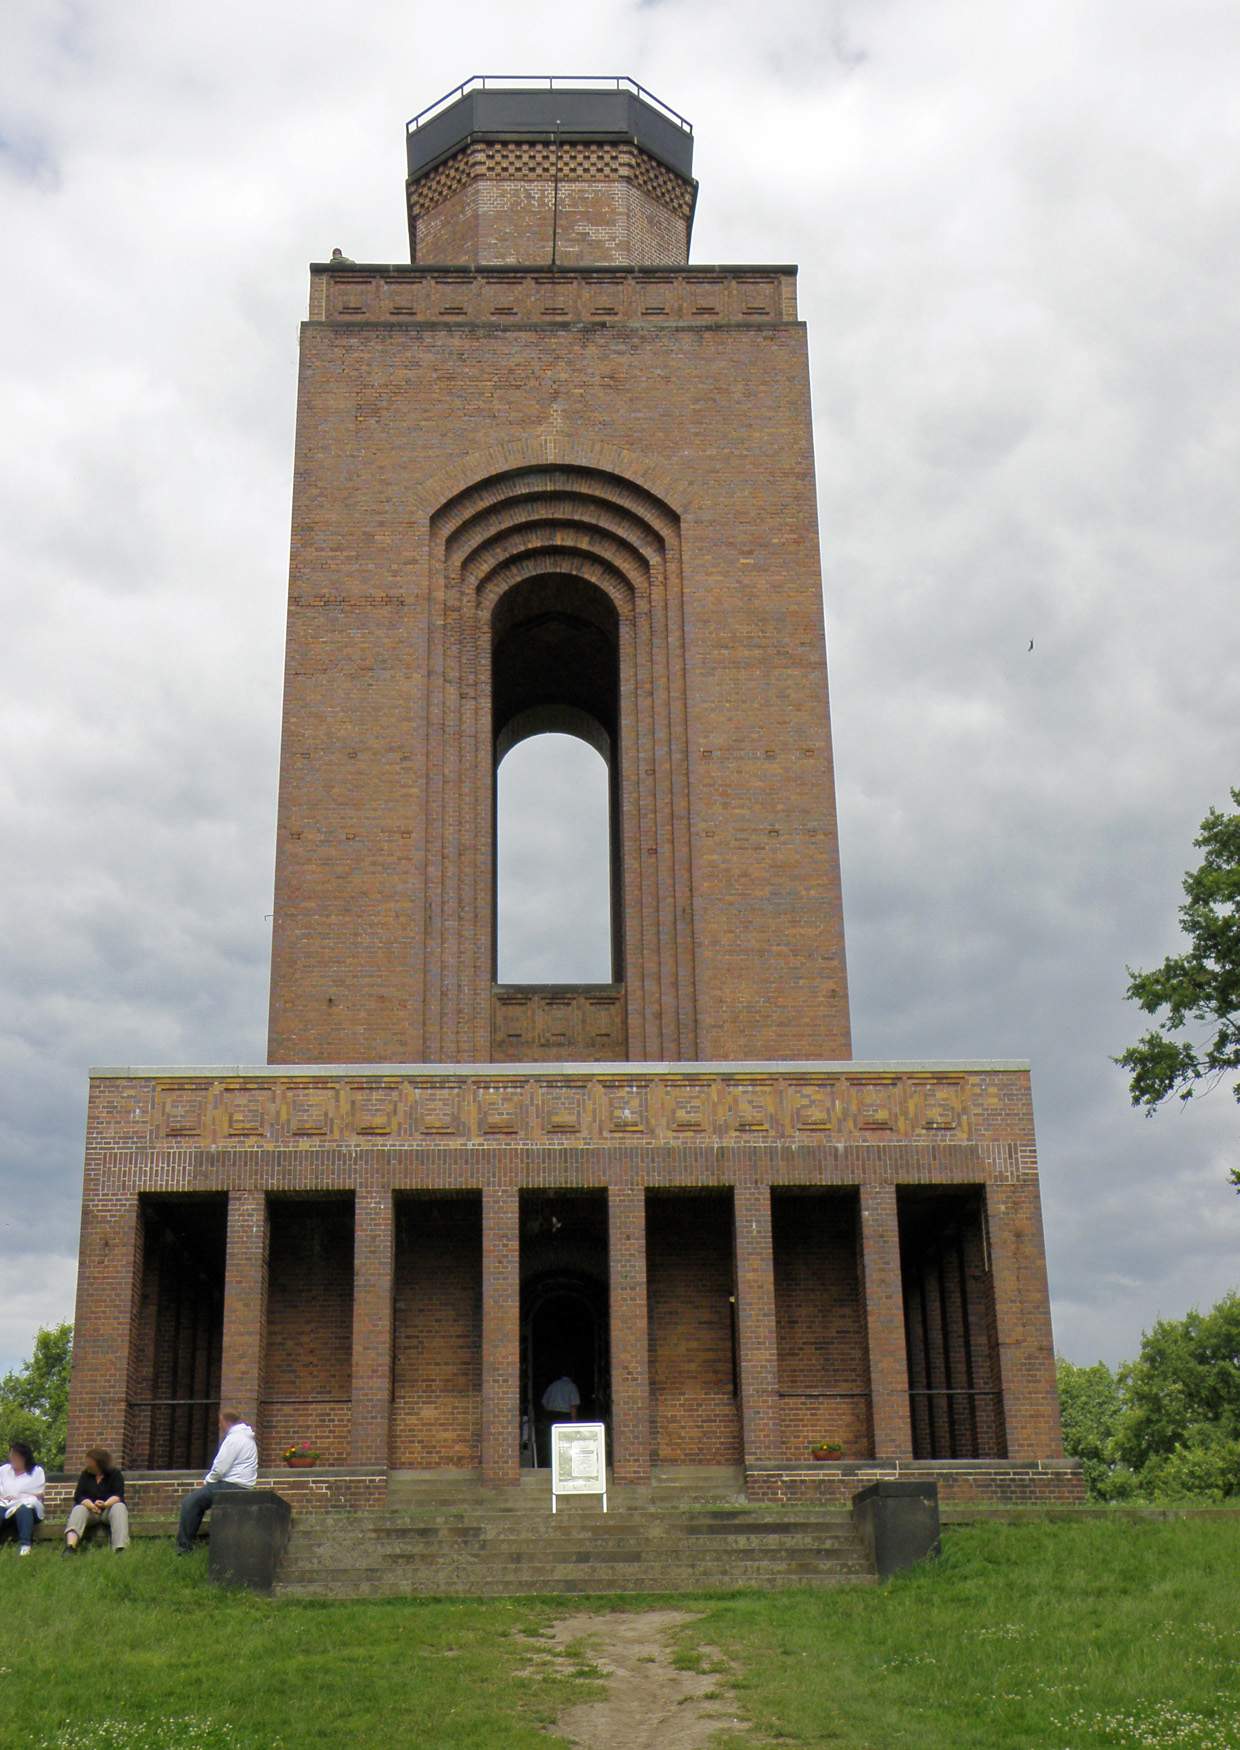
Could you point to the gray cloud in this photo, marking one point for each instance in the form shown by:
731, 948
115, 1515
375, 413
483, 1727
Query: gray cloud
1017, 236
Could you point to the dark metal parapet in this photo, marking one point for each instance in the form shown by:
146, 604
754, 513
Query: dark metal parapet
506, 107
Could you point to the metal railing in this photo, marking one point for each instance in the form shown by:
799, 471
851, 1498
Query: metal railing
946, 1419
547, 82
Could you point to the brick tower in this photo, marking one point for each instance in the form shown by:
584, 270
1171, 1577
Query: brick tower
552, 476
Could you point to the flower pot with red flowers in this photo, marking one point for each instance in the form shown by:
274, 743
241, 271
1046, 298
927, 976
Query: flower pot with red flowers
826, 1449
301, 1457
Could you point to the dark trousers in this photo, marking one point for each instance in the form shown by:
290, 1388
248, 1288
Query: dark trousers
195, 1504
23, 1523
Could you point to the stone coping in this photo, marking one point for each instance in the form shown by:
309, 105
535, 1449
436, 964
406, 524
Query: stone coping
502, 270
949, 1466
632, 1067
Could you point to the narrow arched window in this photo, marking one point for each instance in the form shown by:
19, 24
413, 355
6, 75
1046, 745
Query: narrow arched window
558, 943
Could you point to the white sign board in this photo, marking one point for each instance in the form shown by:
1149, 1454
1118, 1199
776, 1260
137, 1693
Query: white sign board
578, 1460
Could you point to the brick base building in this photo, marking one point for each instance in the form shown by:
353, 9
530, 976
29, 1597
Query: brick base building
552, 477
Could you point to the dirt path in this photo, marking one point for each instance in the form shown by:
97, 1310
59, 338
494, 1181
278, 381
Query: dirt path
649, 1705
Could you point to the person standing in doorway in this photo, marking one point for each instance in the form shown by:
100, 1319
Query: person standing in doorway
560, 1399
235, 1467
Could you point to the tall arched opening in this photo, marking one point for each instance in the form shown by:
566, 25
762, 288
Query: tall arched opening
555, 671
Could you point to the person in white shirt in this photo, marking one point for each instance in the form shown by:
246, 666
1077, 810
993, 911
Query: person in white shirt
235, 1466
562, 1397
21, 1494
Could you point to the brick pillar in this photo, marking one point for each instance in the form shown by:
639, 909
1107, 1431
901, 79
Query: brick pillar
755, 1324
109, 1294
245, 1307
373, 1241
501, 1336
884, 1318
630, 1353
1023, 1321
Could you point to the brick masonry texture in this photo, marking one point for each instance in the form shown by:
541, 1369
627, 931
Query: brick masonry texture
576, 203
693, 1215
409, 525
528, 490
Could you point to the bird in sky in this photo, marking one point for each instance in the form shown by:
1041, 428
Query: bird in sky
1031, 644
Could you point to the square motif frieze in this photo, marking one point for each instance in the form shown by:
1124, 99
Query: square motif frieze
440, 1108
374, 1108
940, 1106
563, 1108
874, 1105
498, 1107
687, 1107
753, 1107
308, 1111
814, 1105
181, 1111
625, 1106
247, 1111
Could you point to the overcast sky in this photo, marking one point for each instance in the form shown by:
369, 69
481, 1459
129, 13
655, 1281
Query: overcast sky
1018, 231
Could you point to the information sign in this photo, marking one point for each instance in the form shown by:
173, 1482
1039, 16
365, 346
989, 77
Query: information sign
578, 1460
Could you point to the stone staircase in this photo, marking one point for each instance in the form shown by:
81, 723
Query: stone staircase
443, 1536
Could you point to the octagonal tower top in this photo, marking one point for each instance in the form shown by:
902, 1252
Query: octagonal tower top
579, 172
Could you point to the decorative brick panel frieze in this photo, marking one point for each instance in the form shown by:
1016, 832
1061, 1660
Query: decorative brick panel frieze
843, 1104
662, 297
558, 1024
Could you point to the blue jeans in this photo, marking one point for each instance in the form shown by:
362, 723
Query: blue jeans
195, 1504
23, 1523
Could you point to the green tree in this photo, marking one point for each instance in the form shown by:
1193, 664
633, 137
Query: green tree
1198, 1040
34, 1398
1179, 1428
1090, 1404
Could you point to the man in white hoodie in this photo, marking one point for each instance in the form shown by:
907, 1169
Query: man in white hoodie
235, 1466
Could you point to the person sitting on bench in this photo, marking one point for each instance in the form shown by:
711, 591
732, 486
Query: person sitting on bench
235, 1466
21, 1495
99, 1499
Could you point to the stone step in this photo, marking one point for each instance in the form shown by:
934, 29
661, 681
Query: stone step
513, 1549
740, 1560
698, 1580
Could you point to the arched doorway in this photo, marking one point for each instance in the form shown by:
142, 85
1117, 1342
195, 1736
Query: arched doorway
564, 1310
563, 1334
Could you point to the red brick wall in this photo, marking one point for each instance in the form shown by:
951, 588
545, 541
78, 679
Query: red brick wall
996, 1484
437, 1403
672, 1133
733, 929
824, 1378
307, 1386
694, 1412
506, 203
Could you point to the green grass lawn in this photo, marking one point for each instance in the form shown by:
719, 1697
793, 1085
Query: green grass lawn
1064, 1636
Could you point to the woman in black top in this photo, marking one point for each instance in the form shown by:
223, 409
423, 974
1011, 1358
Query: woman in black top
99, 1499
